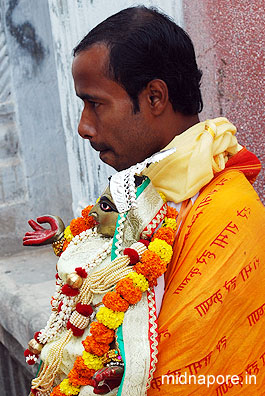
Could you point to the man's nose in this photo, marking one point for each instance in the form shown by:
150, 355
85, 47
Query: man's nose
86, 127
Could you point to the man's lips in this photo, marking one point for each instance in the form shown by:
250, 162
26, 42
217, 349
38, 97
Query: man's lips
99, 147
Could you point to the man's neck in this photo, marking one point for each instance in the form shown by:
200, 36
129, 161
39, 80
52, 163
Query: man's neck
177, 125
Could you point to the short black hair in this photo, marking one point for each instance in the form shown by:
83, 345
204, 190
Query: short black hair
144, 45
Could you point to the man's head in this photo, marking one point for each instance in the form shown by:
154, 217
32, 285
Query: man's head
146, 66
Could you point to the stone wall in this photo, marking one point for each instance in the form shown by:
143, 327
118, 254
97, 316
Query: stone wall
34, 175
229, 40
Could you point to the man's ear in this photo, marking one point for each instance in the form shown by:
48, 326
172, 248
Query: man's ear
157, 96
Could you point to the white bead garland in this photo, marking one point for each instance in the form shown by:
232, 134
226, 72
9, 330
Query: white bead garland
79, 320
58, 320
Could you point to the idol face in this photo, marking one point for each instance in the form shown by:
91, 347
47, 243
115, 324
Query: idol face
105, 214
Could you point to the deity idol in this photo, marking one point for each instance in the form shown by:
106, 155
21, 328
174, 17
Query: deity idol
101, 336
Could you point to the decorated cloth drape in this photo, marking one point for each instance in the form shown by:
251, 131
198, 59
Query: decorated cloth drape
212, 319
201, 151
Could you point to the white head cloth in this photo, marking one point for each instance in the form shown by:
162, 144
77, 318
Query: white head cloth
122, 184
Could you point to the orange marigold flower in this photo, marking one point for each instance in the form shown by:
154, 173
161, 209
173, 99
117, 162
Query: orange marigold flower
86, 211
79, 365
125, 287
65, 245
89, 220
114, 301
151, 266
94, 347
101, 333
56, 392
80, 380
80, 373
166, 234
77, 226
171, 212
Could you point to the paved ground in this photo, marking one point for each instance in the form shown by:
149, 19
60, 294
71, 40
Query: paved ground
27, 282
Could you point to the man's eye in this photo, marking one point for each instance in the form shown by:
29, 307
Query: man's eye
105, 207
94, 104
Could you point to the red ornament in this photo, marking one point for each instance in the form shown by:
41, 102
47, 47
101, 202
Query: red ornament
27, 352
69, 291
84, 309
81, 272
57, 276
36, 335
60, 306
31, 362
133, 255
76, 331
31, 357
144, 241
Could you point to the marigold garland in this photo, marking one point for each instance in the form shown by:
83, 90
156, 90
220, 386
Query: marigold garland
110, 318
65, 245
92, 361
80, 373
101, 333
139, 281
151, 267
68, 389
57, 392
85, 212
78, 225
172, 213
114, 301
68, 234
162, 249
125, 287
77, 379
170, 223
166, 234
94, 347
128, 291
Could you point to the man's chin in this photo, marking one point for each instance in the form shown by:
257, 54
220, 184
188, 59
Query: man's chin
107, 156
110, 159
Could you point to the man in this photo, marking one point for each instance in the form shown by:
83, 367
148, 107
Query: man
137, 75
135, 101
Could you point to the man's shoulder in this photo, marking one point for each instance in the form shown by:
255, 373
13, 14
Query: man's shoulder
227, 189
228, 203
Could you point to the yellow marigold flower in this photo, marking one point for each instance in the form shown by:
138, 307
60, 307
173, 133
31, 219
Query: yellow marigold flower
68, 389
163, 196
92, 361
162, 249
67, 234
139, 281
110, 318
168, 222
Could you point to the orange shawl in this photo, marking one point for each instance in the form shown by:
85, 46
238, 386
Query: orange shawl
212, 321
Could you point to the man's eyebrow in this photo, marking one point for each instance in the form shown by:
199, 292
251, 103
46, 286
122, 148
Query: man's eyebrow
84, 96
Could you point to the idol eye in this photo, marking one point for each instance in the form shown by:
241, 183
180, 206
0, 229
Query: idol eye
105, 207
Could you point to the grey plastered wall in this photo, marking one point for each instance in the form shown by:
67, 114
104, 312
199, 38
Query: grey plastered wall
34, 175
51, 169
